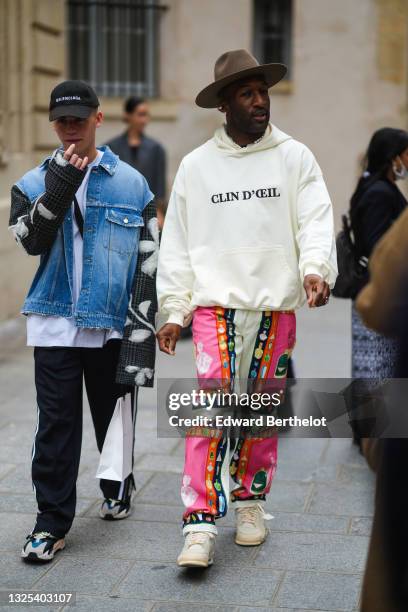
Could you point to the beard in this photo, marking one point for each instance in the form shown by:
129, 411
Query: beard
247, 123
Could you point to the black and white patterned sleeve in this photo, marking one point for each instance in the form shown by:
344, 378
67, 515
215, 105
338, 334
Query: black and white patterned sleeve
138, 352
35, 224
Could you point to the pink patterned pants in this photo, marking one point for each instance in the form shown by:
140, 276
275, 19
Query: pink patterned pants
229, 345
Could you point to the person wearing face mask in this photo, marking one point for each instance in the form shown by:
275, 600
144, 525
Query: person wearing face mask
376, 203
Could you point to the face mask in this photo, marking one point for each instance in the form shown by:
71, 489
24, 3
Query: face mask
400, 173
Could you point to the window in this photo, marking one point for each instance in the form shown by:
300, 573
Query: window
273, 32
113, 45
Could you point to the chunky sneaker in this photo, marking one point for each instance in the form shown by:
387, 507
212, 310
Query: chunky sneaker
41, 546
115, 509
251, 530
198, 550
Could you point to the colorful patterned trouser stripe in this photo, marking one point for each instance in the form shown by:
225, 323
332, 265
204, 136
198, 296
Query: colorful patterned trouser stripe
233, 344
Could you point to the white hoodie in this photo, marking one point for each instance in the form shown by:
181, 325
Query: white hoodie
244, 226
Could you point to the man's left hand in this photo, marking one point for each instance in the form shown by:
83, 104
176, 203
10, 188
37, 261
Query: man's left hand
317, 290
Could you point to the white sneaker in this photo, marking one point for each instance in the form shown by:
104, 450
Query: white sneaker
250, 519
198, 550
41, 546
115, 509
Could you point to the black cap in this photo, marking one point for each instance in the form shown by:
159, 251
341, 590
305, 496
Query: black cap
73, 99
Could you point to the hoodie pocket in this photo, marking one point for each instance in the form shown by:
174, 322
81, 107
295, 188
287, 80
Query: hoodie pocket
260, 272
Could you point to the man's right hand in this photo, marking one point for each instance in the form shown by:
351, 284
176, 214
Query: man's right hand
167, 337
73, 158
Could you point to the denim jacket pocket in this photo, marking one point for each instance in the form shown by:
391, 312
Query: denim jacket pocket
121, 230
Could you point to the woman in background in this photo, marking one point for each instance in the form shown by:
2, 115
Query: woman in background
375, 205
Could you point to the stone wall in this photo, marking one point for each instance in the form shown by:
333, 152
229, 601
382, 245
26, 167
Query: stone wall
349, 78
32, 60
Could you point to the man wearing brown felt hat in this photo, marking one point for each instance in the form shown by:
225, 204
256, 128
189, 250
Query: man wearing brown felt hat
248, 238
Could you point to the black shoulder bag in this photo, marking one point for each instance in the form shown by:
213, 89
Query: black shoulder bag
353, 270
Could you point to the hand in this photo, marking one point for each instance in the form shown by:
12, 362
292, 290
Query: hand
167, 337
317, 290
73, 158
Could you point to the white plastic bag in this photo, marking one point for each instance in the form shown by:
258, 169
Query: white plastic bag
116, 456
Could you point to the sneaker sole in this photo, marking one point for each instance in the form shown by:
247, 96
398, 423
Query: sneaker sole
250, 543
111, 517
33, 558
195, 563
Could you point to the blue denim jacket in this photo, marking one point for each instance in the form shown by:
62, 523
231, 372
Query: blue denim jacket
116, 197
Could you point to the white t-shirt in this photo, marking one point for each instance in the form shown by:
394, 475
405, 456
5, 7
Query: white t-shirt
46, 330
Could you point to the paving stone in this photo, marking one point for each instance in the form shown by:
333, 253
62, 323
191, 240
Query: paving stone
342, 450
148, 442
92, 575
161, 581
43, 608
170, 607
290, 521
116, 539
162, 489
161, 463
17, 481
88, 440
15, 453
313, 590
146, 419
361, 526
180, 449
19, 433
308, 532
90, 460
305, 551
356, 474
145, 512
19, 407
343, 499
150, 541
15, 574
109, 604
6, 468
27, 504
295, 521
249, 609
305, 471
13, 531
288, 496
88, 485
159, 513
284, 496
16, 491
308, 450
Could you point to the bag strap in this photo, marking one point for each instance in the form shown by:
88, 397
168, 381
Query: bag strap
78, 217
359, 258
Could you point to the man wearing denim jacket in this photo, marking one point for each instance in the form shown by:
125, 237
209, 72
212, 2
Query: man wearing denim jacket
91, 306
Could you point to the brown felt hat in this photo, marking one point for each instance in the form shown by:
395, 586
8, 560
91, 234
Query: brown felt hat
233, 66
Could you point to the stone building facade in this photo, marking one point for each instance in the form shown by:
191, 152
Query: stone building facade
348, 76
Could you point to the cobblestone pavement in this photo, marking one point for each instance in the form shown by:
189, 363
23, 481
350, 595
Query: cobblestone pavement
321, 499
